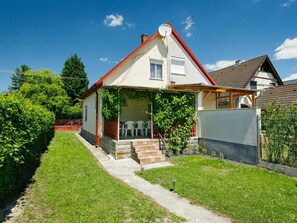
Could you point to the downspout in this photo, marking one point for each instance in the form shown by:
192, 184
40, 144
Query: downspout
97, 139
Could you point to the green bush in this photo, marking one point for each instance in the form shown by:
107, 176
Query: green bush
25, 132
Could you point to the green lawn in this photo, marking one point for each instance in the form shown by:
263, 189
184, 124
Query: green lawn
70, 186
244, 194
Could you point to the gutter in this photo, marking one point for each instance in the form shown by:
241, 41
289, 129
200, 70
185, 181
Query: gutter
97, 138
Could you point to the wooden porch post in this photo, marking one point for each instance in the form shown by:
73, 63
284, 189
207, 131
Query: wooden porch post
231, 99
253, 101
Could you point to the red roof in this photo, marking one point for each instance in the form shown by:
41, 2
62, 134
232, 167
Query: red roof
177, 37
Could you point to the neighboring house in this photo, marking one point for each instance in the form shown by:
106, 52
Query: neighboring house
159, 63
286, 94
258, 73
294, 81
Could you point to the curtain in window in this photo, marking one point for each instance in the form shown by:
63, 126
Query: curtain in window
159, 71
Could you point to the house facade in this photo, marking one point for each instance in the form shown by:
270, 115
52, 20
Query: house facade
258, 74
158, 64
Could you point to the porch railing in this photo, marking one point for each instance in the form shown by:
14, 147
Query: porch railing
111, 128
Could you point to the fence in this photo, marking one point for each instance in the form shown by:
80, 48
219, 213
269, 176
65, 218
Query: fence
68, 124
231, 133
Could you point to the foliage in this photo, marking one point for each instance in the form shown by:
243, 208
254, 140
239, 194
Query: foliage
73, 112
45, 88
174, 114
17, 78
110, 103
85, 192
242, 193
25, 131
280, 124
74, 78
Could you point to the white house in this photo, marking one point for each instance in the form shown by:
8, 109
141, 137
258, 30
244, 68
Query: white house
258, 73
159, 63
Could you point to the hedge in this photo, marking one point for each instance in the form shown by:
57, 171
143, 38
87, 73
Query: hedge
25, 132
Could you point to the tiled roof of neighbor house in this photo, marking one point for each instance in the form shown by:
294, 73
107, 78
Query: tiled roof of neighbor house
286, 94
239, 75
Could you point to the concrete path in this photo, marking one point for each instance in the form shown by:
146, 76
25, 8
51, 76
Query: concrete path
124, 170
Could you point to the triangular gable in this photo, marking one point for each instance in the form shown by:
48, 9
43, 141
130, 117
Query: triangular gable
181, 42
142, 46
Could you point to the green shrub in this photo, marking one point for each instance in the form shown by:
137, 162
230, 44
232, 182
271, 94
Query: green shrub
25, 132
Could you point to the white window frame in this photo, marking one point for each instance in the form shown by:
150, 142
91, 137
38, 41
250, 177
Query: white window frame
156, 62
179, 59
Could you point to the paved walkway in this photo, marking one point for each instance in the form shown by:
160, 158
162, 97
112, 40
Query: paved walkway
124, 170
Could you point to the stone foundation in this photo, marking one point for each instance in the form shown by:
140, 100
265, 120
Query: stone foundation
91, 138
119, 149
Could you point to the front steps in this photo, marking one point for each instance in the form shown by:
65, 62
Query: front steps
146, 152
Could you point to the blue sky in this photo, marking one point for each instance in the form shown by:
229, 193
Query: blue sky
43, 34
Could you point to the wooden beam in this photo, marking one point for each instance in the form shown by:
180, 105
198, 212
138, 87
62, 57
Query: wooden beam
231, 98
216, 100
254, 101
208, 93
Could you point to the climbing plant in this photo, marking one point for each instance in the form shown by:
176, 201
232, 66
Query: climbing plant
110, 103
280, 123
174, 115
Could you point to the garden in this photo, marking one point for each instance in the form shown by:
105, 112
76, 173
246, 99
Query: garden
240, 192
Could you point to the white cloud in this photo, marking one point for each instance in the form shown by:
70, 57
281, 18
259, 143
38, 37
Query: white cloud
219, 65
290, 77
3, 71
287, 3
113, 20
287, 50
130, 25
106, 60
188, 22
103, 59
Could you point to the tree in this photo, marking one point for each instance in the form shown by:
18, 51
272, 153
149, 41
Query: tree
74, 78
18, 78
47, 89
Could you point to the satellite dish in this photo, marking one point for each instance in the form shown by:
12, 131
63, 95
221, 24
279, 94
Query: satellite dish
165, 30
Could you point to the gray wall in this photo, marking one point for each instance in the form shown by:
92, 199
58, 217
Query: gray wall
233, 133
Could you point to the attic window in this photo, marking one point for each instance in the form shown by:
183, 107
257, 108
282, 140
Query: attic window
156, 69
178, 66
253, 84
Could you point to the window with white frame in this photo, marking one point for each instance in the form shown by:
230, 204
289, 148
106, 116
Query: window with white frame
156, 69
86, 113
177, 66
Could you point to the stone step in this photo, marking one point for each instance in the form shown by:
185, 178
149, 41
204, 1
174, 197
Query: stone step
149, 153
151, 159
145, 142
145, 148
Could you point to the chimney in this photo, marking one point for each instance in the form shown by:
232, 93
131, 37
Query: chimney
144, 37
237, 62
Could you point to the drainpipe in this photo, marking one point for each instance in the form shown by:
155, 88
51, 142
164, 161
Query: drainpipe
97, 143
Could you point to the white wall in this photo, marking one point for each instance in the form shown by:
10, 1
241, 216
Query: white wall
234, 126
134, 111
136, 70
209, 102
90, 124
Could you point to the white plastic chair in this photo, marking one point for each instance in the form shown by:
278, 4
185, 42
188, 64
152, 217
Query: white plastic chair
128, 126
147, 127
139, 126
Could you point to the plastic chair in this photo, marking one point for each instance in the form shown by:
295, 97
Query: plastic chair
147, 127
139, 126
128, 126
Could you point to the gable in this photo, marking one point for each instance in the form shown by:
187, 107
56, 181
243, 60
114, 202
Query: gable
136, 70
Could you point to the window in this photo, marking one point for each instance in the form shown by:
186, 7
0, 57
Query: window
156, 70
86, 113
253, 84
178, 66
272, 84
123, 102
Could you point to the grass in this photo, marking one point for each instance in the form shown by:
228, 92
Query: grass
70, 186
244, 194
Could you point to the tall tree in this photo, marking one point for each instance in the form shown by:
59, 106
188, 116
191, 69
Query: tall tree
17, 78
74, 78
47, 89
